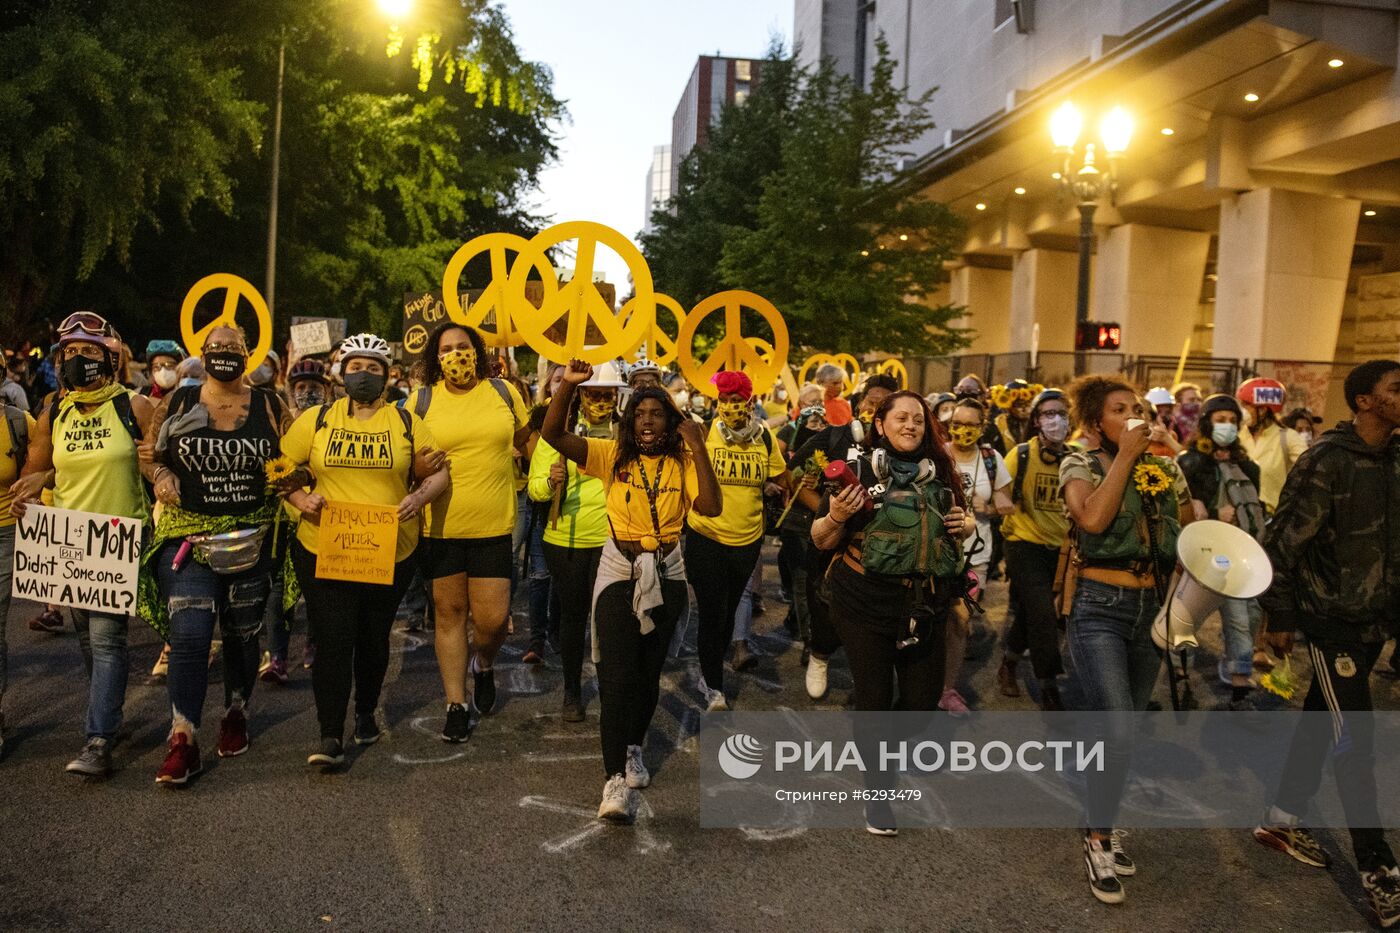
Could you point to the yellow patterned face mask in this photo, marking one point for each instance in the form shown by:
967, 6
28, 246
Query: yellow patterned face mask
459, 366
734, 414
867, 418
965, 435
600, 410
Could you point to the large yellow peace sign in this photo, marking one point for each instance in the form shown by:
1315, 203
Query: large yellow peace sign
816, 360
657, 345
236, 288
893, 367
579, 300
734, 351
495, 296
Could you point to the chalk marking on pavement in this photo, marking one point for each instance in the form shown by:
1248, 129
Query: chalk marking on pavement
647, 842
410, 642
545, 759
405, 760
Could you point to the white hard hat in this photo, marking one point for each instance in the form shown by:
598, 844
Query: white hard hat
1160, 396
606, 376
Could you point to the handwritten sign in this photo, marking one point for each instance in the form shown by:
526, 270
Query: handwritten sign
311, 337
78, 559
357, 543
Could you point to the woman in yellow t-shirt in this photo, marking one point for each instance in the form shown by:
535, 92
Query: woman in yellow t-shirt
358, 450
654, 474
479, 421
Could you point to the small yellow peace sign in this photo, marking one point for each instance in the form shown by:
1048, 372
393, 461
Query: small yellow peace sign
657, 345
495, 296
578, 299
236, 288
734, 351
815, 362
893, 367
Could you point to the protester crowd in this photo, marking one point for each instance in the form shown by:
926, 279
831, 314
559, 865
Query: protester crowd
612, 493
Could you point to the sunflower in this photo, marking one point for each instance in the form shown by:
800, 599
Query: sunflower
1204, 445
1280, 681
1022, 395
1150, 479
1036, 389
816, 463
1001, 396
279, 469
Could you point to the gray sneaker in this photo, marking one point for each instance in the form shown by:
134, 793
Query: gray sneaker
95, 760
636, 773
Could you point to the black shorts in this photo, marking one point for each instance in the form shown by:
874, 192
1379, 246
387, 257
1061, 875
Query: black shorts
476, 557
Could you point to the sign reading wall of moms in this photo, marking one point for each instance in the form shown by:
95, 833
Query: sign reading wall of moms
79, 559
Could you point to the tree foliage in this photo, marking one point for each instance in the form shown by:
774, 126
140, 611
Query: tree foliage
159, 172
816, 224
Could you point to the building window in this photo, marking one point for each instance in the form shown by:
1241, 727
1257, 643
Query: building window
743, 71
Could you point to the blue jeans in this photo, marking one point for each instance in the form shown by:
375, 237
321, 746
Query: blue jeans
743, 616
197, 598
7, 559
102, 638
1116, 664
528, 540
1239, 620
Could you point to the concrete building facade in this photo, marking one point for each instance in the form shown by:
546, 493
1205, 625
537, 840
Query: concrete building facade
715, 83
658, 183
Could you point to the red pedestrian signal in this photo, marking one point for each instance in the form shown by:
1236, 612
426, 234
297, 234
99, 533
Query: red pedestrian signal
1098, 335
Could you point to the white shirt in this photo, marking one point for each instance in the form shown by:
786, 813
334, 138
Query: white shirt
977, 483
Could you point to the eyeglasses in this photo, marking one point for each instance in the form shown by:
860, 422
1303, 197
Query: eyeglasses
85, 320
90, 350
224, 348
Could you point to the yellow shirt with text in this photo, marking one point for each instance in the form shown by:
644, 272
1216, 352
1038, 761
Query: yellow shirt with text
675, 486
741, 469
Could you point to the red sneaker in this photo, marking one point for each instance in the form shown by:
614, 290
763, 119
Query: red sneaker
50, 620
181, 762
233, 734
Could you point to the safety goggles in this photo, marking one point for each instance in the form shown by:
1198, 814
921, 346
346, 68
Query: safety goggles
87, 321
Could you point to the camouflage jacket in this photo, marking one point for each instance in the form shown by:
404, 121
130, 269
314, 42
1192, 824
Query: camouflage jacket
1335, 541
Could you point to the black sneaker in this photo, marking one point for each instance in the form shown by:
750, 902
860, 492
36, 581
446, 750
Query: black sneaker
573, 707
1383, 888
330, 755
367, 730
879, 819
459, 724
1103, 874
484, 691
95, 760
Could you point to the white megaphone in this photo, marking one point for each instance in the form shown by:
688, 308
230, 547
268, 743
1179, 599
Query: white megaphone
1222, 562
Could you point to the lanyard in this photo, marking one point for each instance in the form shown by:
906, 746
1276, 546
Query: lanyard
652, 490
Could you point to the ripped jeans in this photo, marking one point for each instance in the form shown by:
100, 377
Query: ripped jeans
197, 597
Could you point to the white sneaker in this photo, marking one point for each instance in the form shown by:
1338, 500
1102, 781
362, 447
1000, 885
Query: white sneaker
1103, 877
637, 774
617, 804
816, 677
715, 701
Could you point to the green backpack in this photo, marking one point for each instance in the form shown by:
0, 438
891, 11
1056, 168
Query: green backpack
907, 537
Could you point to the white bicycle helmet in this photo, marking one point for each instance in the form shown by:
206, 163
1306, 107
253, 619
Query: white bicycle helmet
1160, 396
370, 346
643, 365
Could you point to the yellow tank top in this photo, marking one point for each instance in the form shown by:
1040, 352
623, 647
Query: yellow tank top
95, 464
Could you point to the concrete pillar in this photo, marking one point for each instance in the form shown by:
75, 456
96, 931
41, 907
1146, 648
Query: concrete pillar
1283, 263
987, 295
1043, 285
1148, 279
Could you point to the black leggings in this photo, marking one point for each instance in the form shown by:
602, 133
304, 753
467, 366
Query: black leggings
571, 572
629, 666
719, 573
825, 641
1035, 624
872, 617
350, 623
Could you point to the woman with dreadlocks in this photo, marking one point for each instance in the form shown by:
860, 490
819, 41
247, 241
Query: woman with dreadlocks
654, 473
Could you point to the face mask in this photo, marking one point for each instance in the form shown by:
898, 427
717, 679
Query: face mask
309, 398
1307, 437
261, 376
81, 371
165, 378
189, 381
734, 414
965, 436
780, 395
1054, 428
225, 367
459, 366
599, 411
946, 415
1189, 411
1248, 417
682, 399
1224, 434
867, 418
364, 386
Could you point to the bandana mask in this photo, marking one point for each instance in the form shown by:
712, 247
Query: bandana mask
459, 366
600, 410
734, 414
965, 436
867, 418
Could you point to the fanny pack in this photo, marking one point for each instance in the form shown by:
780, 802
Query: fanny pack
231, 552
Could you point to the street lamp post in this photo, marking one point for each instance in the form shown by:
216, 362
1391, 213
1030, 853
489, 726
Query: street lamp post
1083, 178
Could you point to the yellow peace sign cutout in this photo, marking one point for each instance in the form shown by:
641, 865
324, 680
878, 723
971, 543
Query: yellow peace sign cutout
495, 296
236, 288
657, 345
893, 367
578, 300
816, 360
735, 351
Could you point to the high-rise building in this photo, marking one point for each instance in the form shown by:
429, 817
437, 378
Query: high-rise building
829, 29
715, 83
658, 183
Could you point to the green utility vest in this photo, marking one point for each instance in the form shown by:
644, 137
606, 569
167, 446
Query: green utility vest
907, 537
1126, 538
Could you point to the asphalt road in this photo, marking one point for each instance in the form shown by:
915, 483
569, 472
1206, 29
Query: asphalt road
499, 833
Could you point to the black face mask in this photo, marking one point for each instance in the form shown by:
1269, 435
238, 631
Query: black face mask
364, 386
81, 371
225, 367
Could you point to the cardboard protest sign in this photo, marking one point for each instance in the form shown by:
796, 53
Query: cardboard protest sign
357, 542
311, 337
79, 559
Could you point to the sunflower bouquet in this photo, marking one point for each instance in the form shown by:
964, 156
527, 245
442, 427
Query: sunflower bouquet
1149, 479
282, 473
811, 474
1002, 396
1280, 681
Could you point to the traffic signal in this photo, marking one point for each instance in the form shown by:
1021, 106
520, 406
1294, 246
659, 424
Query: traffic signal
1098, 335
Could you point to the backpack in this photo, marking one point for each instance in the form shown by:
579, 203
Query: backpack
407, 433
1023, 460
425, 398
907, 537
19, 435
